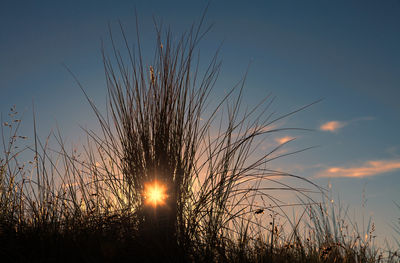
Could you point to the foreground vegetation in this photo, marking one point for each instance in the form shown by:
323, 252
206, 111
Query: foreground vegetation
90, 205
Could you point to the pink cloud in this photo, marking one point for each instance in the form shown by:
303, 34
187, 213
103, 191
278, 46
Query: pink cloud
282, 140
332, 126
370, 168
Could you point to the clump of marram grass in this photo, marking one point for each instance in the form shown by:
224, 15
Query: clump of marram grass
154, 131
91, 206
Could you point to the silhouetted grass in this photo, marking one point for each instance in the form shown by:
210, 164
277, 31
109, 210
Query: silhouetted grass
90, 206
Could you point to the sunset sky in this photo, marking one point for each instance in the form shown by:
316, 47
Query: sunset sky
345, 52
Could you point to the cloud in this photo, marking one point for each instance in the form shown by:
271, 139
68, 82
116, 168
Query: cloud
282, 140
369, 168
332, 126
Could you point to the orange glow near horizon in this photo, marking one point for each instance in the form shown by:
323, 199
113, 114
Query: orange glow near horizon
155, 194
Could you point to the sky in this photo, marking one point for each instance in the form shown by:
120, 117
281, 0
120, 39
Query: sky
345, 52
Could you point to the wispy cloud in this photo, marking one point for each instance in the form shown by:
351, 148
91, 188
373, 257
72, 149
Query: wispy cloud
282, 140
332, 126
369, 168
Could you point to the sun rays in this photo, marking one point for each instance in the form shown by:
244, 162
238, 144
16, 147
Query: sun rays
155, 194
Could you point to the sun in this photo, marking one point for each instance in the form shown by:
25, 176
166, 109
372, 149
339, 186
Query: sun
155, 194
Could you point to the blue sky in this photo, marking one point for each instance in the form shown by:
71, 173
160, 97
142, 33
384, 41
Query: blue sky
343, 51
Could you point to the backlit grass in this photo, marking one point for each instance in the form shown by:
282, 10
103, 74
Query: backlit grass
167, 178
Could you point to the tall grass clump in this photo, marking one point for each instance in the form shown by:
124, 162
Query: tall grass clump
154, 131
